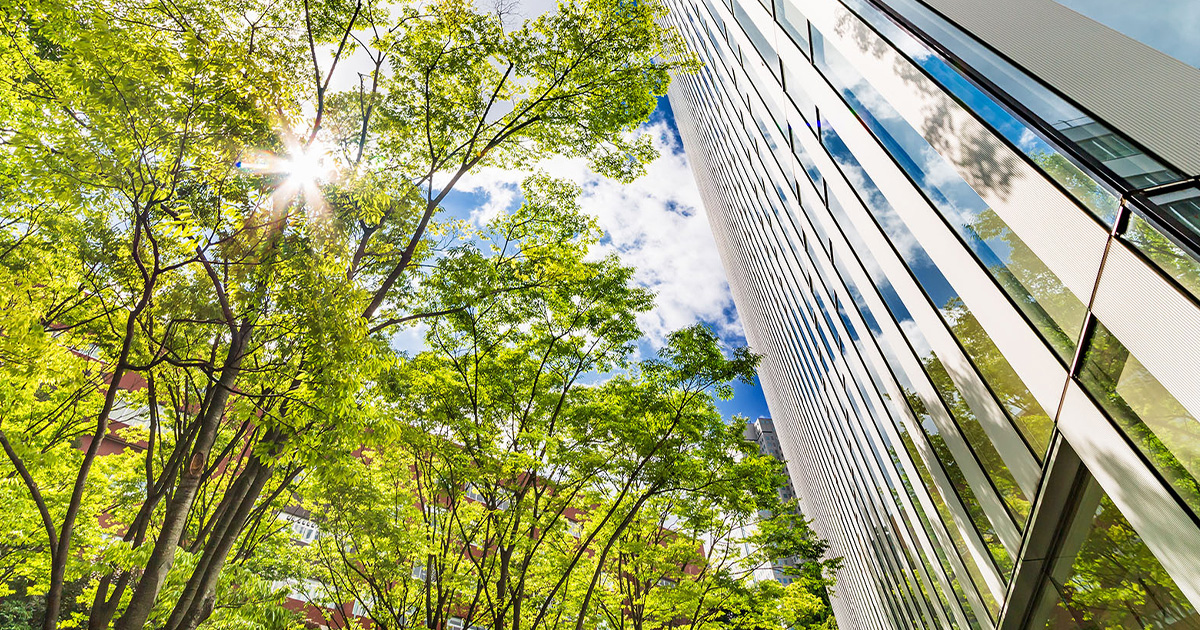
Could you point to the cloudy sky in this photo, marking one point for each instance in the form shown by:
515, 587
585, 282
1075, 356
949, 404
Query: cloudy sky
656, 225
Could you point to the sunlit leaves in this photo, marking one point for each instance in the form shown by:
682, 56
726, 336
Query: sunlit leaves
251, 324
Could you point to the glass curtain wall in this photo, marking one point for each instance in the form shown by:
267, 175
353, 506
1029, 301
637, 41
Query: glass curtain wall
870, 255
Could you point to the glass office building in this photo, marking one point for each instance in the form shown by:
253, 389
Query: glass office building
965, 237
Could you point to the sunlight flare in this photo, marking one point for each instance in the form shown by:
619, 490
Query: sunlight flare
302, 171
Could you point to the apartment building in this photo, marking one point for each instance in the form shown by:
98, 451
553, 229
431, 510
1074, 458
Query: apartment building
965, 237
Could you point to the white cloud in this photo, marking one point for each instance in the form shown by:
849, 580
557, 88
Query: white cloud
656, 224
917, 338
501, 195
410, 339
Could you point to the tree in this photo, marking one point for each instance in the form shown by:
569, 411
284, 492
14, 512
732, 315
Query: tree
700, 572
505, 486
167, 153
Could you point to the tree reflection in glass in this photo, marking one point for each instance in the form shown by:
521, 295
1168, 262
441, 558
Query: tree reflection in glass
1167, 255
1162, 428
1106, 576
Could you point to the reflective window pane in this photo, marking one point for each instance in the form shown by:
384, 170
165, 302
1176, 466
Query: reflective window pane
1098, 141
1115, 152
993, 466
952, 309
793, 22
1182, 207
968, 558
1166, 432
760, 41
1106, 577
1057, 313
1099, 200
1169, 257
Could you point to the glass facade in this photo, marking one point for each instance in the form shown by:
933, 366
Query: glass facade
936, 255
1104, 576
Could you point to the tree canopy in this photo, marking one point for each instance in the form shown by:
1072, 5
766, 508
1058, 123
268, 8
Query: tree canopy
215, 215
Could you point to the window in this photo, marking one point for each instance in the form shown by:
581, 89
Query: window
1170, 257
303, 529
1057, 313
310, 591
1104, 576
1046, 105
793, 22
941, 502
960, 320
1166, 432
472, 493
1151, 178
437, 517
760, 42
1099, 142
1183, 206
1117, 153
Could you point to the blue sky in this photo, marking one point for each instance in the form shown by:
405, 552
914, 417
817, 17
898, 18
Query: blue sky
748, 400
656, 224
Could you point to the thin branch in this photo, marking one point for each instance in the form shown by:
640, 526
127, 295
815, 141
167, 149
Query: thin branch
34, 491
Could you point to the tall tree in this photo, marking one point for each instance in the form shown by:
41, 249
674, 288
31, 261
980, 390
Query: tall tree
507, 487
235, 235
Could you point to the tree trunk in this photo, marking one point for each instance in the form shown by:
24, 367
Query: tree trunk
104, 606
587, 597
162, 557
225, 512
502, 584
199, 595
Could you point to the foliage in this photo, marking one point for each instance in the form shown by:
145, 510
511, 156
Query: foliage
209, 243
1114, 580
193, 321
510, 486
